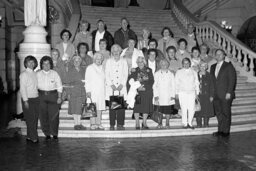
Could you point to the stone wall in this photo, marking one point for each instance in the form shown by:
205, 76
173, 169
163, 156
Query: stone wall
2, 47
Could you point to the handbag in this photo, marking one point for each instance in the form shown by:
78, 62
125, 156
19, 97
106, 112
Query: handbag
116, 102
197, 105
156, 115
89, 109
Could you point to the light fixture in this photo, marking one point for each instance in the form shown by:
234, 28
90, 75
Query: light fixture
226, 26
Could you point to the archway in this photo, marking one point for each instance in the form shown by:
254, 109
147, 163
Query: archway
247, 33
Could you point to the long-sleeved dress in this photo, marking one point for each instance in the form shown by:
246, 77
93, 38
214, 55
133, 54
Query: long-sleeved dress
146, 78
76, 90
206, 91
95, 84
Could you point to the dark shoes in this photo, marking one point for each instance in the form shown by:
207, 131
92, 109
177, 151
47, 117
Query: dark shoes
191, 127
120, 127
32, 141
112, 128
55, 138
48, 138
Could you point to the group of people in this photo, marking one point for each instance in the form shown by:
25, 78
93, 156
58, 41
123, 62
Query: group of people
164, 75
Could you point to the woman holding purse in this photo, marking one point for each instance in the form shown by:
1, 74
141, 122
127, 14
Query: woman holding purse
116, 72
95, 88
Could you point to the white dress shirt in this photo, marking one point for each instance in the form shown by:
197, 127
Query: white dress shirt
28, 84
97, 40
152, 65
164, 87
48, 81
217, 69
186, 80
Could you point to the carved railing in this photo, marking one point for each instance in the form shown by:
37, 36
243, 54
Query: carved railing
241, 55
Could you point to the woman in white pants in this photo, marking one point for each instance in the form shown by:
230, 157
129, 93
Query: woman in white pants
187, 90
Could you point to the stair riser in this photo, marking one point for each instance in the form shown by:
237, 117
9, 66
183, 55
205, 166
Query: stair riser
143, 133
173, 122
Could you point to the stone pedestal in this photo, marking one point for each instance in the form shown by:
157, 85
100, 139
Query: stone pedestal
34, 44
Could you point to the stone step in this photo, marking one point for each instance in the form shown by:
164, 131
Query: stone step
131, 132
244, 101
236, 110
69, 122
246, 86
245, 93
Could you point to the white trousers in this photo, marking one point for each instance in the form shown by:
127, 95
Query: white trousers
187, 105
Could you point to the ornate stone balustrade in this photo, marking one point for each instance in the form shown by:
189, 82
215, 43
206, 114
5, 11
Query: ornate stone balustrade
241, 56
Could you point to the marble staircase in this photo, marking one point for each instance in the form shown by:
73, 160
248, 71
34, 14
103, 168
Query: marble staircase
139, 18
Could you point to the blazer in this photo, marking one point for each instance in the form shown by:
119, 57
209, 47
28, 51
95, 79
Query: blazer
107, 36
120, 39
70, 49
225, 81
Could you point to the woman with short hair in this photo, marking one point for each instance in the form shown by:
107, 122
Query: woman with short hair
116, 77
82, 49
164, 91
29, 95
95, 88
84, 34
131, 54
144, 105
50, 90
65, 47
76, 91
166, 40
187, 90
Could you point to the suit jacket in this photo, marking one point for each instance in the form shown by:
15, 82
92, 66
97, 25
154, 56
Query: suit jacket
120, 39
107, 36
225, 81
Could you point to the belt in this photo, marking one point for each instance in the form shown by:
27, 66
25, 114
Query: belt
42, 92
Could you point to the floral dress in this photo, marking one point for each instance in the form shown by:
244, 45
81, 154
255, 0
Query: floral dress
146, 78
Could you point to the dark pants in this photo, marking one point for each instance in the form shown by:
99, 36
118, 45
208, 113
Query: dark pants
49, 113
222, 109
31, 116
118, 115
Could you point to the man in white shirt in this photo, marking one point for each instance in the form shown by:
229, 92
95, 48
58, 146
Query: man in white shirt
50, 89
29, 95
101, 33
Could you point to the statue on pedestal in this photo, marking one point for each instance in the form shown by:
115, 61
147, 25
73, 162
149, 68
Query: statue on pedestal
35, 12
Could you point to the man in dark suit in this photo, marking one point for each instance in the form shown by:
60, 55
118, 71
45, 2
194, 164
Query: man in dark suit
224, 75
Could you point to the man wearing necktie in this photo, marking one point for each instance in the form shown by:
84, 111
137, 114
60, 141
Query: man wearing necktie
224, 75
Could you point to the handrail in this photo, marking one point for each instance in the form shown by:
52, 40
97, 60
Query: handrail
211, 31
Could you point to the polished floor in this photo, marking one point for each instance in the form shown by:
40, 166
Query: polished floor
195, 153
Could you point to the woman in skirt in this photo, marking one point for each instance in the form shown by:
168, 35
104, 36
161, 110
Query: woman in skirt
164, 91
76, 91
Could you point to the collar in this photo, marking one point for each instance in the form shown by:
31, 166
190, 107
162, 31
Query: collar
151, 62
46, 72
100, 32
191, 35
220, 63
163, 72
182, 51
29, 70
